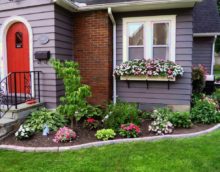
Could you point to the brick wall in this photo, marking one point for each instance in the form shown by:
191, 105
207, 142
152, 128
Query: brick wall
93, 51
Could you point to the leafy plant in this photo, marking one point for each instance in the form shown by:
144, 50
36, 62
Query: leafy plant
91, 123
198, 76
64, 134
39, 118
181, 119
92, 112
105, 134
161, 126
121, 113
24, 132
129, 130
205, 111
76, 93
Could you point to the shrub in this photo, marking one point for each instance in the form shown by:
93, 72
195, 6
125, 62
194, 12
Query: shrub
92, 112
64, 135
181, 119
105, 134
75, 92
205, 111
129, 130
39, 118
121, 113
91, 123
198, 76
161, 126
24, 132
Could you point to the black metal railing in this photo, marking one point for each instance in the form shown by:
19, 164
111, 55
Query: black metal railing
17, 88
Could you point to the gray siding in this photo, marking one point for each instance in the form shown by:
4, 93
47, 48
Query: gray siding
158, 93
64, 40
42, 21
202, 51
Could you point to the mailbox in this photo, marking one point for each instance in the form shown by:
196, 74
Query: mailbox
42, 55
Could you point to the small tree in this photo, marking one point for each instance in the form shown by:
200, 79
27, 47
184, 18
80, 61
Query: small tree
75, 92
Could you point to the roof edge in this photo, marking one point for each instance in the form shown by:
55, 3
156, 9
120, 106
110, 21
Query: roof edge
73, 7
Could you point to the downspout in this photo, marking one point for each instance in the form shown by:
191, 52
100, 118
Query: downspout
213, 56
114, 53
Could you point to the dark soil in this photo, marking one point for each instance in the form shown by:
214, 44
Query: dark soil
87, 136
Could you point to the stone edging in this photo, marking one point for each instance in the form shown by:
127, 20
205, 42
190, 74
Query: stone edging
102, 143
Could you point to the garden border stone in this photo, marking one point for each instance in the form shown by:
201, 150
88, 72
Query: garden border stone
103, 143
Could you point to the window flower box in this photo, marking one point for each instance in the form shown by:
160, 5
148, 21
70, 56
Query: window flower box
145, 78
148, 70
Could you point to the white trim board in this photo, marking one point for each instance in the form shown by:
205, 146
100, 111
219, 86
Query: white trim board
3, 46
148, 33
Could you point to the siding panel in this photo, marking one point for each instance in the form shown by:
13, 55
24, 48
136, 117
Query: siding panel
158, 93
42, 20
202, 51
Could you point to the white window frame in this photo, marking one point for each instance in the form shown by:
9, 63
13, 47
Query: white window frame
148, 33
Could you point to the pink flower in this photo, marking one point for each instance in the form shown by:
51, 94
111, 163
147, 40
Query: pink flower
90, 120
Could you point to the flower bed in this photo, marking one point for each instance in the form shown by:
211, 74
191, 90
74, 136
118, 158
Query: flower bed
149, 70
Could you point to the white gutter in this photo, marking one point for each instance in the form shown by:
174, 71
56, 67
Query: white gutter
213, 55
206, 34
114, 53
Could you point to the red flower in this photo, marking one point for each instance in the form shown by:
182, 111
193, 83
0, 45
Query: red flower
90, 120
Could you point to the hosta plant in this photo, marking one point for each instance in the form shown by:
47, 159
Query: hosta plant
151, 68
161, 126
91, 123
129, 130
24, 132
64, 134
105, 134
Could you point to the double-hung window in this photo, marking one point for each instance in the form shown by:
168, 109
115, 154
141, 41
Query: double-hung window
149, 38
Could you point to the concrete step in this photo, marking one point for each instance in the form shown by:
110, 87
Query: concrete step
7, 126
15, 117
23, 111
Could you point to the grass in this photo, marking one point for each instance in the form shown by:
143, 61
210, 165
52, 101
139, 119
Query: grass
199, 154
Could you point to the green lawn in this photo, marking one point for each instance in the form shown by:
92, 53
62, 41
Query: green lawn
201, 154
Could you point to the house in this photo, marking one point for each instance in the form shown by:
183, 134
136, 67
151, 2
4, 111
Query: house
95, 33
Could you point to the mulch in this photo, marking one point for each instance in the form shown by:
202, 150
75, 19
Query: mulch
88, 136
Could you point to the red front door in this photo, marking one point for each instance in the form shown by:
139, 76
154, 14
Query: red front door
18, 55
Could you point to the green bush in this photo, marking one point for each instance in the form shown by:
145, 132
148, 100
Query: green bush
178, 119
198, 76
76, 93
121, 113
39, 118
105, 134
205, 111
181, 119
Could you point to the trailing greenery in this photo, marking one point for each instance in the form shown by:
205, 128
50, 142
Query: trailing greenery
76, 93
105, 134
198, 76
205, 111
42, 117
121, 113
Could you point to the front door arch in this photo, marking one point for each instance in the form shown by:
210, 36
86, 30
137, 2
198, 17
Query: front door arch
3, 45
